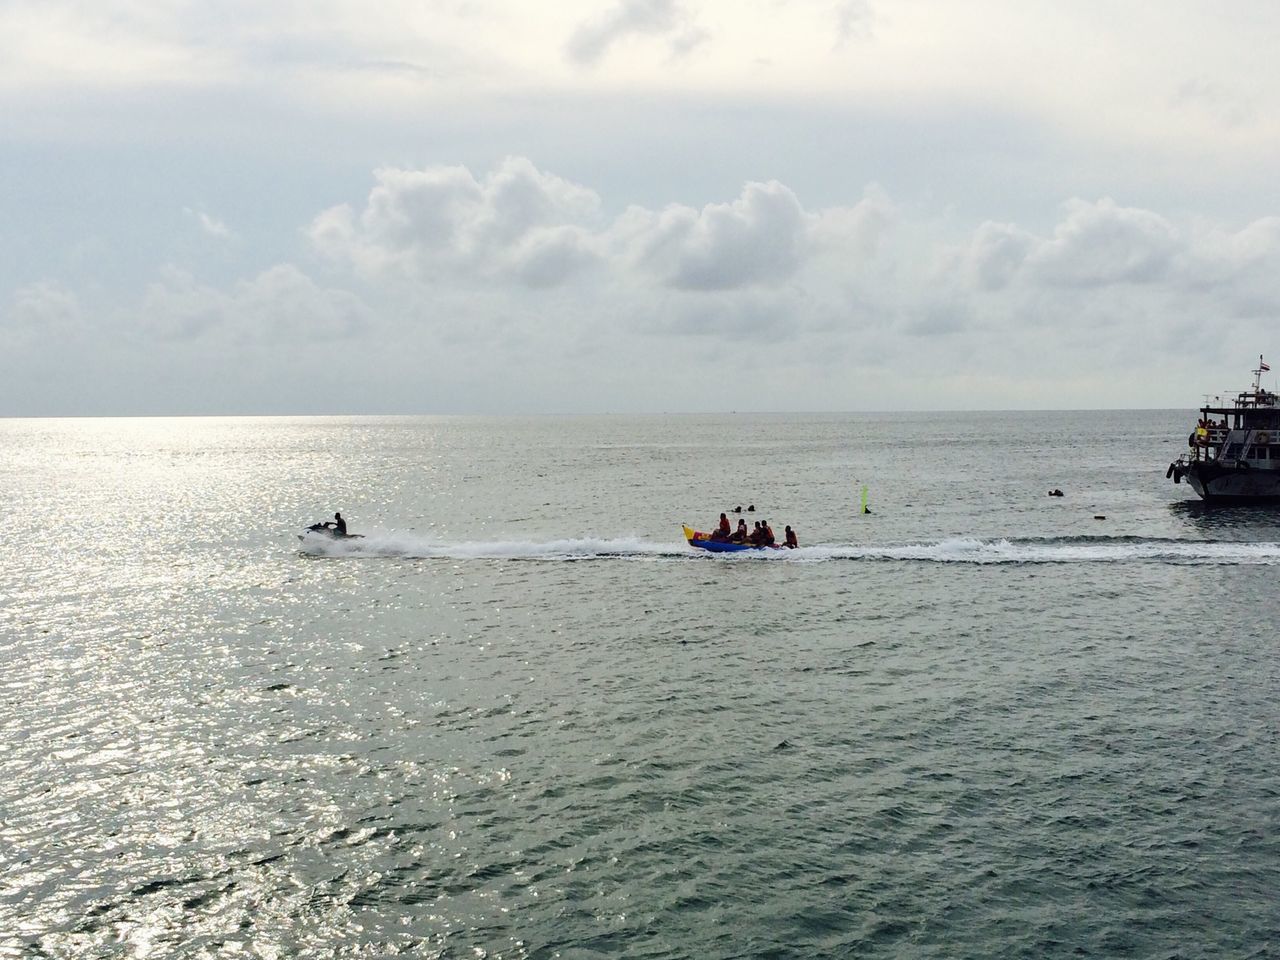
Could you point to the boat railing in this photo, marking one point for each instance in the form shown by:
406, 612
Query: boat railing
1241, 446
1204, 439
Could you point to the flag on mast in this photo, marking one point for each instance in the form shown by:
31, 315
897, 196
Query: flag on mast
1262, 364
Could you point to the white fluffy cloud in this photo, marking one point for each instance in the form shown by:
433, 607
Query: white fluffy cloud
1104, 245
444, 224
442, 221
763, 267
996, 254
758, 239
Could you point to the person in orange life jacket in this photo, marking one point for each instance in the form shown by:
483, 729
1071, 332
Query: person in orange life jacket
791, 541
740, 535
722, 532
768, 538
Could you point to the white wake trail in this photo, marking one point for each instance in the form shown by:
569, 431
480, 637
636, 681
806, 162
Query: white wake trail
963, 550
413, 546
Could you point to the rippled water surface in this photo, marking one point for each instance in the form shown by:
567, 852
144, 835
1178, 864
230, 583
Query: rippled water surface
521, 718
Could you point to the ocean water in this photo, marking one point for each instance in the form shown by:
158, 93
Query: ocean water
521, 718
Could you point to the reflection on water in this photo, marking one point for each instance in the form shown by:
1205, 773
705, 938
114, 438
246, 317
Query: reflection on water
976, 722
1243, 522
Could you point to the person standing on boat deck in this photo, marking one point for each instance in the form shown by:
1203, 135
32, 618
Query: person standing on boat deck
791, 541
339, 525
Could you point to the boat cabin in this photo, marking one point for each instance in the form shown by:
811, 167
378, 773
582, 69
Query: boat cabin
1246, 430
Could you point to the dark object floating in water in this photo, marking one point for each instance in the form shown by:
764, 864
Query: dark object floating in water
1098, 516
737, 509
751, 509
1055, 492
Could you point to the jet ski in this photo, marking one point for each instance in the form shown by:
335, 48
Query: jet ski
330, 530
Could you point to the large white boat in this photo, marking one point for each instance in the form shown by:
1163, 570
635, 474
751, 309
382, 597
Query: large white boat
1234, 452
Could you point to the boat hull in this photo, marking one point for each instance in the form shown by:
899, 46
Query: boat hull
703, 541
1217, 483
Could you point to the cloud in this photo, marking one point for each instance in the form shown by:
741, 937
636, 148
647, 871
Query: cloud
1227, 107
856, 231
1114, 253
592, 39
760, 238
1217, 255
1135, 278
1096, 244
937, 315
525, 259
996, 253
549, 257
853, 21
517, 223
1102, 243
210, 225
446, 227
752, 316
41, 312
280, 304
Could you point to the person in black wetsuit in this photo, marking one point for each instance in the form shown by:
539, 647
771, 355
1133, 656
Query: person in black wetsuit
339, 525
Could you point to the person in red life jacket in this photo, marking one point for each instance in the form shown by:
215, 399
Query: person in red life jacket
768, 538
740, 535
722, 532
757, 535
792, 541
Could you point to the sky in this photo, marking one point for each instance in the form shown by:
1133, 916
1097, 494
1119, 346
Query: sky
490, 206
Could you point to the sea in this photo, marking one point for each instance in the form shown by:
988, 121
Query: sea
521, 718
